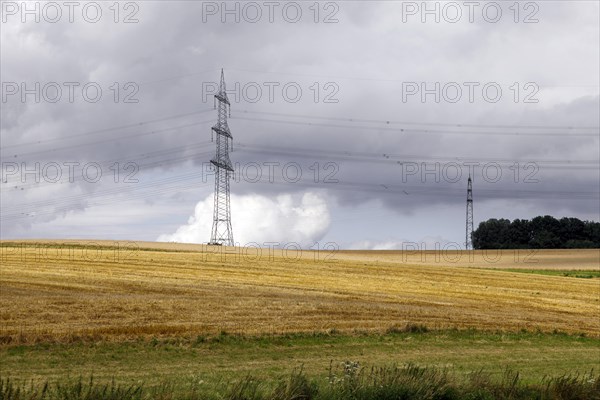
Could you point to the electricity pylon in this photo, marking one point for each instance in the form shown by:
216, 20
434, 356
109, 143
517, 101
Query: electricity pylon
469, 233
222, 234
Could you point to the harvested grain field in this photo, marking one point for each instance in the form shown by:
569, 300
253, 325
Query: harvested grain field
59, 291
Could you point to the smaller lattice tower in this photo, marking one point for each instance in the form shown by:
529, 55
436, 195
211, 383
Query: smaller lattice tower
469, 232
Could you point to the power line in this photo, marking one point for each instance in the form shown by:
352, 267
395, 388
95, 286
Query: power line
126, 137
110, 163
24, 210
392, 122
355, 78
104, 130
341, 119
65, 204
421, 131
390, 157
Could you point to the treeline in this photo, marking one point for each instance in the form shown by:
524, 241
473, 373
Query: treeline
544, 232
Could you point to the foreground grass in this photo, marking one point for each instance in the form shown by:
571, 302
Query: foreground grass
349, 381
214, 366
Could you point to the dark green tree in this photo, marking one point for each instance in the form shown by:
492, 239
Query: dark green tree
543, 232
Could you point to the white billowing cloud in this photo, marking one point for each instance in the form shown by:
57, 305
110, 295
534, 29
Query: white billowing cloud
258, 219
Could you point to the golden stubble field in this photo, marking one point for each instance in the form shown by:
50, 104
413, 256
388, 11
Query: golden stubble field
69, 290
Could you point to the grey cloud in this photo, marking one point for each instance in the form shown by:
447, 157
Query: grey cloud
170, 53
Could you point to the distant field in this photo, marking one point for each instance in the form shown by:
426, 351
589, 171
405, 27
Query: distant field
571, 273
584, 259
63, 291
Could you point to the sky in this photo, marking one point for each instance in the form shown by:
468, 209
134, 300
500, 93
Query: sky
355, 124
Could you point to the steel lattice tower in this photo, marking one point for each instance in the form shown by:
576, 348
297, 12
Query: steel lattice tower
222, 234
469, 233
